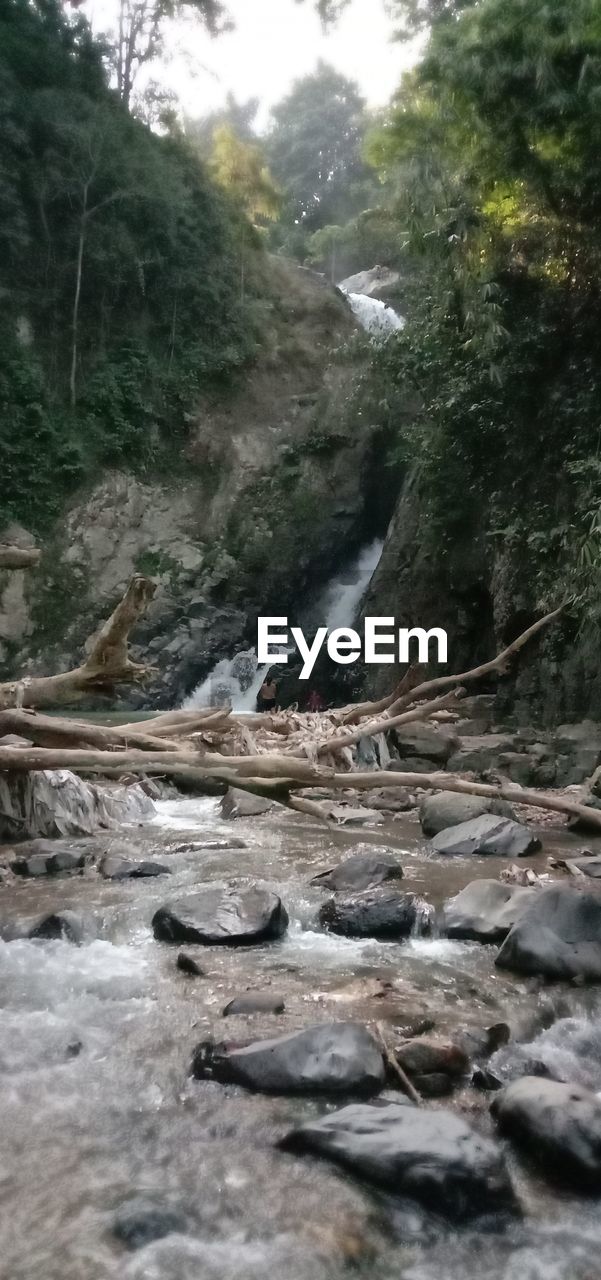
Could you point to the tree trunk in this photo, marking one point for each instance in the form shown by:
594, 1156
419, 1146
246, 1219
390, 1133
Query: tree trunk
107, 664
18, 557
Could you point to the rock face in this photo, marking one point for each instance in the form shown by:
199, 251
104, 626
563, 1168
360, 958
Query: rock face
208, 535
336, 1057
558, 937
486, 910
487, 834
424, 742
447, 809
360, 871
559, 1125
226, 918
433, 1157
114, 867
385, 914
58, 803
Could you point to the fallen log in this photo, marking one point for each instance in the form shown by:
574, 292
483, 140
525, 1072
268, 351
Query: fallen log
57, 731
391, 722
498, 665
12, 557
107, 664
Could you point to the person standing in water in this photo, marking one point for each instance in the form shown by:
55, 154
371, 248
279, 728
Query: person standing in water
267, 695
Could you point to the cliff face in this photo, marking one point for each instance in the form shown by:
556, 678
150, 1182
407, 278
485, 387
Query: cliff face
270, 485
484, 597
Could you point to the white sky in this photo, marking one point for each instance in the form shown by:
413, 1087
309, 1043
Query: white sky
275, 42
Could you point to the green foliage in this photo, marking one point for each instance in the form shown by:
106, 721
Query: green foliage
493, 145
118, 268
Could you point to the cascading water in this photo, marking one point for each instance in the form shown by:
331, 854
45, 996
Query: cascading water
236, 681
338, 604
376, 317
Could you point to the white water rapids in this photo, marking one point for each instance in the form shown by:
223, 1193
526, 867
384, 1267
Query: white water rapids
376, 317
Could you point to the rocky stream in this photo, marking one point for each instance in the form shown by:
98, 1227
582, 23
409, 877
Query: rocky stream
141, 1140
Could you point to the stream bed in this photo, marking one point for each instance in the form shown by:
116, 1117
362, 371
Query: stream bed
98, 1104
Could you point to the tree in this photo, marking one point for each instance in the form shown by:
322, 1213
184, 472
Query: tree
140, 29
238, 116
314, 149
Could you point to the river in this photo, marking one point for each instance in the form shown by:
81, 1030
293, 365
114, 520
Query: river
98, 1103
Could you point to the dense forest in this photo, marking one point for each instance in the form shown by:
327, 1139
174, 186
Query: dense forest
131, 236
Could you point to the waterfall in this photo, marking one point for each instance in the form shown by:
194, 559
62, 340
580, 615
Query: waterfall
236, 681
376, 317
233, 682
338, 604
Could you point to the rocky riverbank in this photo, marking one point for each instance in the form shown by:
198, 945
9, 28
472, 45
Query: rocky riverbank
171, 1137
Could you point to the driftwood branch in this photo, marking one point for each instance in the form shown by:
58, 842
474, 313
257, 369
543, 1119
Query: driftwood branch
499, 665
107, 664
18, 557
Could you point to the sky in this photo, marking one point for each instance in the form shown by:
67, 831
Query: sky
274, 43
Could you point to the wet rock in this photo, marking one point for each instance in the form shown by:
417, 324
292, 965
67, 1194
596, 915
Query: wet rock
187, 965
486, 910
391, 800
335, 1057
222, 917
241, 804
66, 925
569, 1051
139, 1221
255, 1002
423, 740
385, 914
478, 755
481, 1042
448, 808
487, 834
558, 937
201, 846
114, 867
558, 1124
38, 864
360, 871
429, 1055
431, 1156
434, 1085
57, 803
588, 866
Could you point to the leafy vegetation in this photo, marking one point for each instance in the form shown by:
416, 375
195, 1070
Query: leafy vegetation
493, 144
118, 271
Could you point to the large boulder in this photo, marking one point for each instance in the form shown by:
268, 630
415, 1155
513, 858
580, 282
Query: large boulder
446, 809
336, 1057
360, 871
558, 1124
55, 926
242, 804
115, 867
479, 754
488, 834
433, 1157
434, 1065
47, 864
56, 803
385, 914
486, 910
423, 740
223, 917
559, 936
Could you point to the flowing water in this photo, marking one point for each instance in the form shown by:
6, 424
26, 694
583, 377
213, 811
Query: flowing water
377, 318
236, 681
98, 1104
